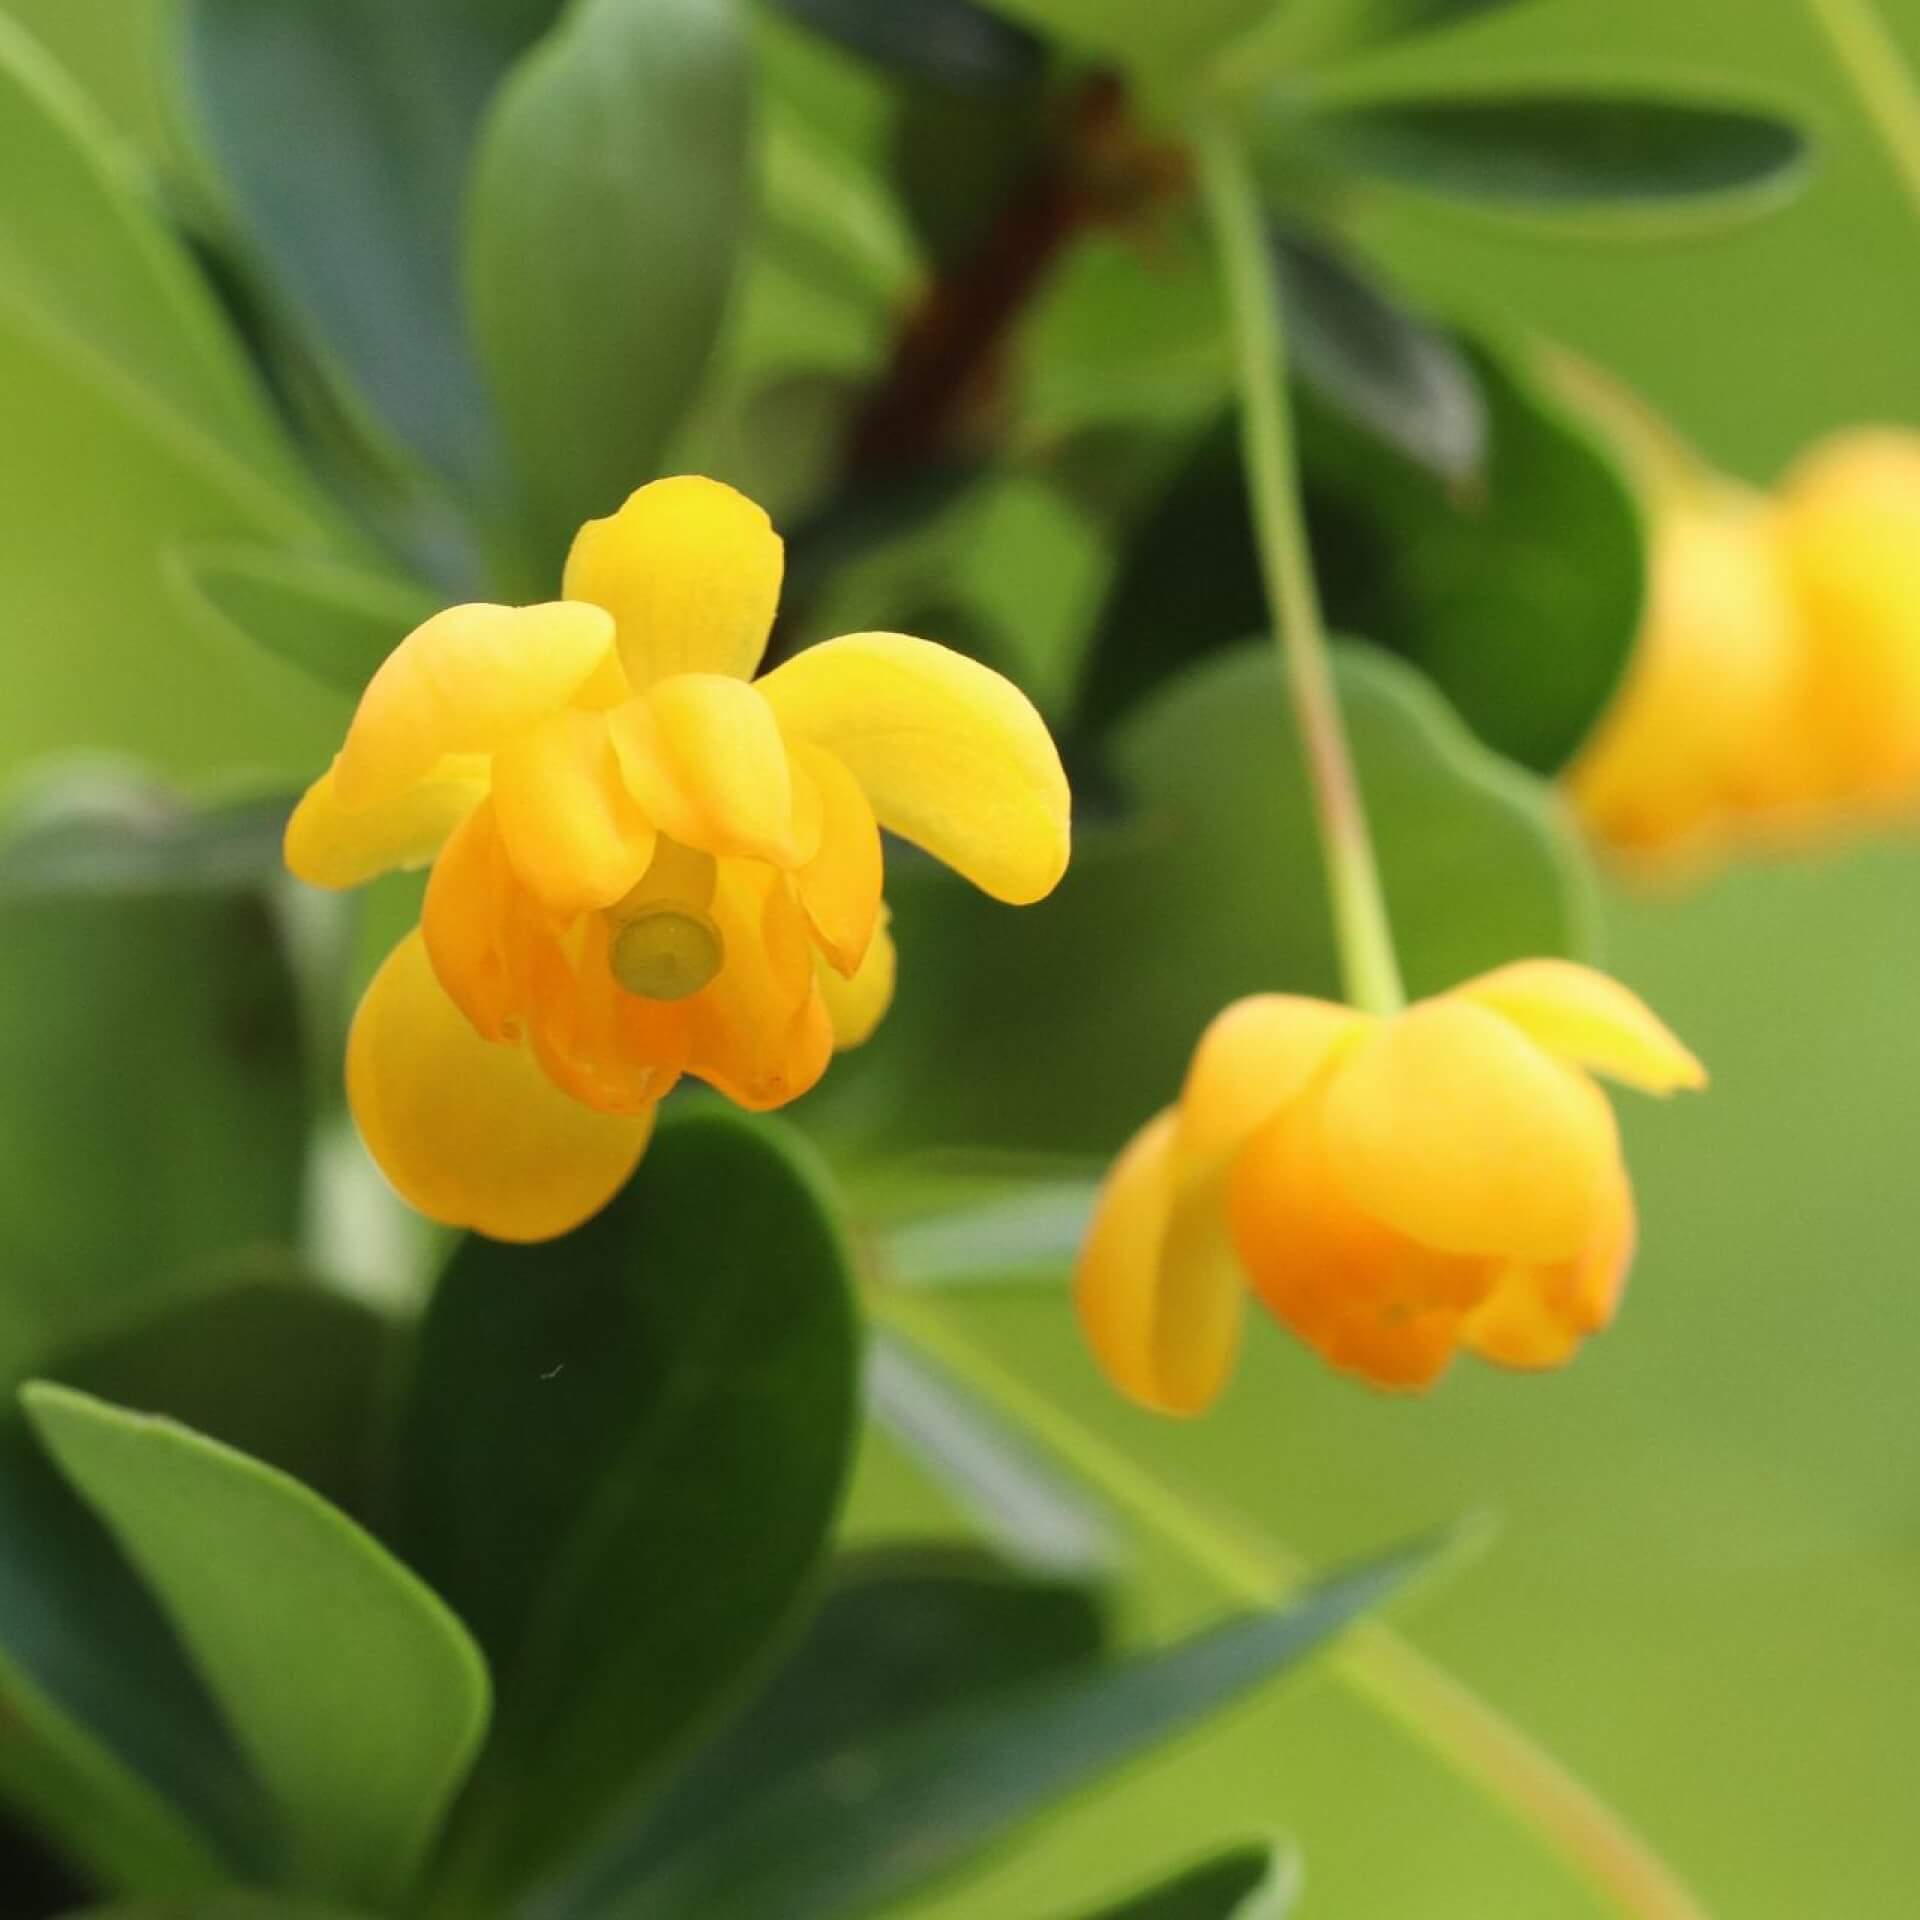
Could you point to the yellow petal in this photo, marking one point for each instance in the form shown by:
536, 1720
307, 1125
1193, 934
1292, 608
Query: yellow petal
952, 756
1158, 1293
1452, 1127
839, 888
480, 928
1583, 1016
466, 682
572, 831
472, 1133
327, 845
704, 758
690, 571
856, 1006
1254, 1057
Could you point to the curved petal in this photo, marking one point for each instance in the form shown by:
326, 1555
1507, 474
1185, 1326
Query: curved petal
1583, 1016
609, 1048
690, 571
1255, 1056
572, 830
472, 1133
703, 756
1452, 1127
328, 845
481, 933
839, 888
857, 1005
1158, 1293
952, 756
466, 682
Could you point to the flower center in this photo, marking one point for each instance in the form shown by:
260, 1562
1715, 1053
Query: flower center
666, 952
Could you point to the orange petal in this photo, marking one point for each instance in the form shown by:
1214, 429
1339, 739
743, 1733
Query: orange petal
481, 929
472, 1133
1452, 1127
856, 1006
839, 888
952, 756
328, 845
466, 682
609, 1048
690, 571
1583, 1016
572, 831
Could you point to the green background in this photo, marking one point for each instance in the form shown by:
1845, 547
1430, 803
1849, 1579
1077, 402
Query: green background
1706, 1591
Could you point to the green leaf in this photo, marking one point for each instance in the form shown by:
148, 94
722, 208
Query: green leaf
1160, 41
1375, 362
1518, 594
330, 620
866, 1821
345, 130
905, 1632
1310, 32
357, 1696
152, 1081
958, 159
1211, 889
623, 1453
1254, 1884
609, 201
1567, 150
952, 44
223, 1906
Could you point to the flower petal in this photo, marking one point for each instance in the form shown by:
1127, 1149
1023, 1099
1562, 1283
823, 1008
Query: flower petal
605, 1046
471, 1133
573, 832
1452, 1127
480, 928
839, 888
704, 758
1581, 1015
328, 845
1158, 1293
952, 756
1255, 1056
857, 1005
690, 571
466, 682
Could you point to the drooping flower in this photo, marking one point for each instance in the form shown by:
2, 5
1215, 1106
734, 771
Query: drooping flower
645, 862
1395, 1190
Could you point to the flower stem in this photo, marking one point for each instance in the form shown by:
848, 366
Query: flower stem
1420, 1696
1867, 50
1361, 931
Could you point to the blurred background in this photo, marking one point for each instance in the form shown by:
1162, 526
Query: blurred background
1705, 1590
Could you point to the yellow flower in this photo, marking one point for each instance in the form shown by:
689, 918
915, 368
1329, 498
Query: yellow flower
645, 862
1393, 1189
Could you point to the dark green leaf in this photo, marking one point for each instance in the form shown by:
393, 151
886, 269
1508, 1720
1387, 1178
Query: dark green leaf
623, 1454
951, 43
329, 620
152, 1086
1159, 40
609, 201
1568, 151
1213, 888
220, 1906
1255, 1884
346, 130
357, 1696
862, 1824
905, 1632
958, 159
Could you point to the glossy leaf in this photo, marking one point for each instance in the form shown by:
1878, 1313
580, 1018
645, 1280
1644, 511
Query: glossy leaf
905, 1632
953, 44
608, 203
1253, 1884
358, 1698
1564, 151
1211, 887
1377, 363
328, 619
869, 1820
345, 131
623, 1452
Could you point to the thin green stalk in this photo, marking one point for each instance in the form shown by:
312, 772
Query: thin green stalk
1872, 59
1449, 1719
1361, 931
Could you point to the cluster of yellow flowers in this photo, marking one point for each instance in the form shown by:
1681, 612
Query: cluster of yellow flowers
646, 863
1774, 692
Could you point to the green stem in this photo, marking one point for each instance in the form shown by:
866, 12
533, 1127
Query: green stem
1360, 927
1873, 61
1421, 1697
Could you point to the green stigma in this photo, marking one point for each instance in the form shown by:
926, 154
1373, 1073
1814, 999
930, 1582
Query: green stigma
667, 954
